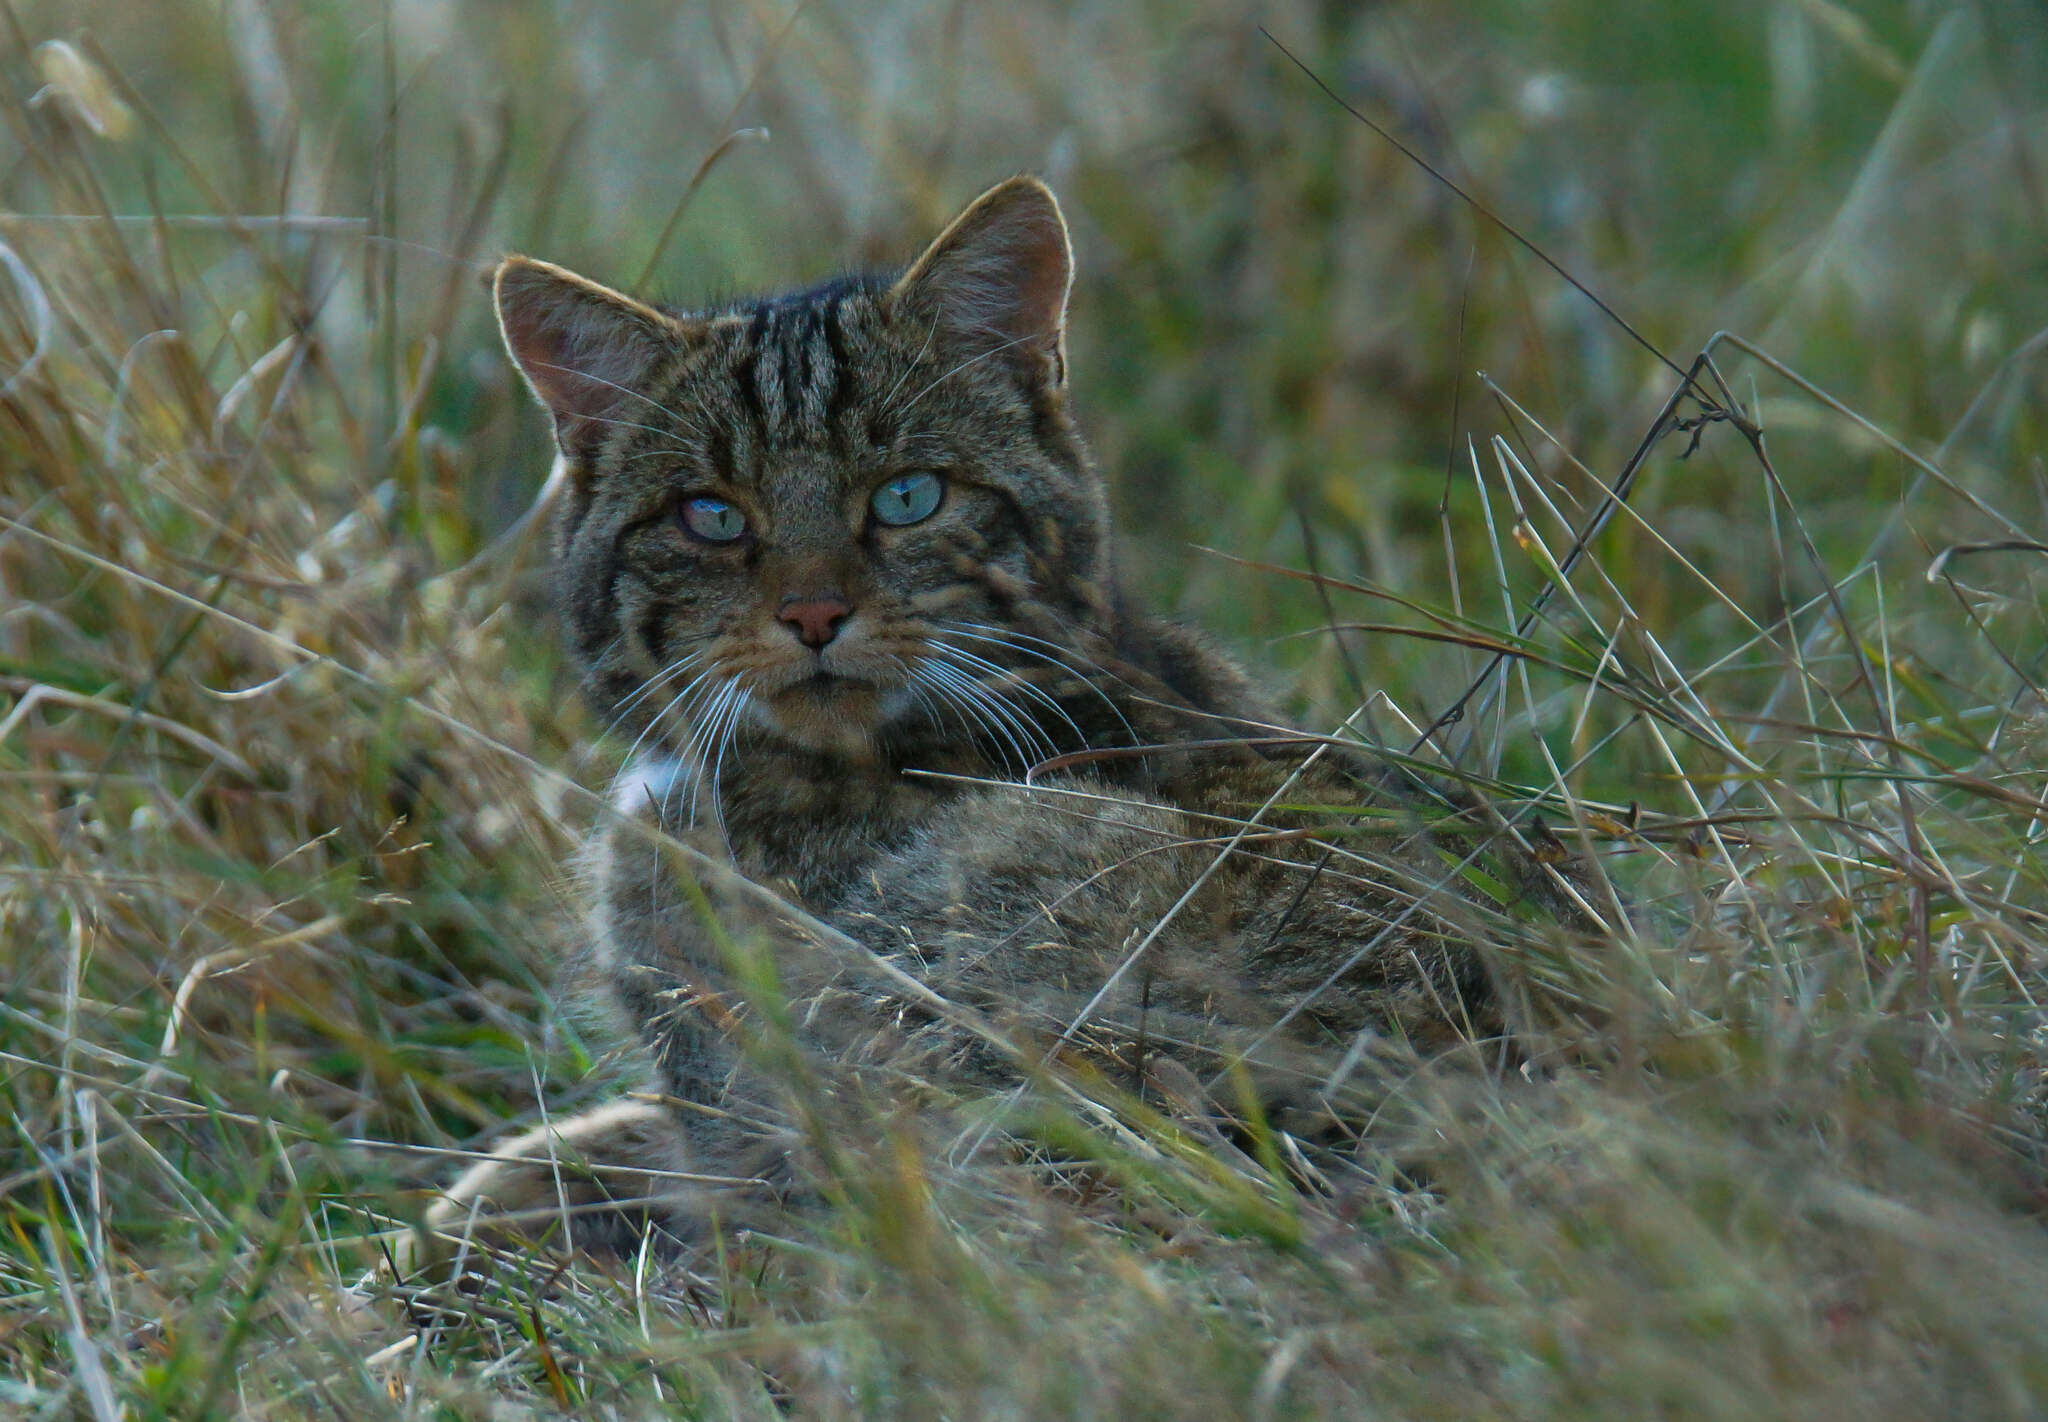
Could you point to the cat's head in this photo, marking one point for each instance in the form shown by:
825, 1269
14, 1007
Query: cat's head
775, 510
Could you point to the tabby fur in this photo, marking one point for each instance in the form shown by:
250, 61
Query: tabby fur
875, 782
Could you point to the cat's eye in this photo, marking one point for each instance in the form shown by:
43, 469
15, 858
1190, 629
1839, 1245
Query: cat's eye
714, 520
910, 498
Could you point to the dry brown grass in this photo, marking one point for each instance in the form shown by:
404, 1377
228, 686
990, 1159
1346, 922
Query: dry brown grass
289, 766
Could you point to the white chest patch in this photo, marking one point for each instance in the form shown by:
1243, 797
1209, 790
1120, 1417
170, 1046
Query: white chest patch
648, 781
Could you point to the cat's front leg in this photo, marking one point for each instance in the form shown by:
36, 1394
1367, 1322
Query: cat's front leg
663, 924
600, 1181
592, 1181
675, 927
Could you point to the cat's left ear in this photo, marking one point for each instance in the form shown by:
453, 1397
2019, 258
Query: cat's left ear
999, 275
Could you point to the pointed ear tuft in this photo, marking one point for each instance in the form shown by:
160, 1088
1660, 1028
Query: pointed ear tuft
999, 275
585, 349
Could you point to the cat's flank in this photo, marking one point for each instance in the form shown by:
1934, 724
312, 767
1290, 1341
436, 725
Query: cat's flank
838, 564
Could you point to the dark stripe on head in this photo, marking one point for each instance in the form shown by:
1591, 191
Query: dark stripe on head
768, 383
596, 627
835, 341
653, 618
749, 395
794, 370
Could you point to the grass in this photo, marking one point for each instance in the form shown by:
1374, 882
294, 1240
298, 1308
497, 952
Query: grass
290, 768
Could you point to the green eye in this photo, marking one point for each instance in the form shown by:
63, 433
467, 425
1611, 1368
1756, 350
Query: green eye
910, 499
713, 520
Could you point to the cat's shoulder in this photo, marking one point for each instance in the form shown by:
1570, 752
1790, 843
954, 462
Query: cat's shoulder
1195, 666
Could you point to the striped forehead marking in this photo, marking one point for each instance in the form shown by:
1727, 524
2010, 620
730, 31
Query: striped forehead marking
792, 378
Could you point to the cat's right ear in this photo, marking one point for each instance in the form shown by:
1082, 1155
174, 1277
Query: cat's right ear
585, 349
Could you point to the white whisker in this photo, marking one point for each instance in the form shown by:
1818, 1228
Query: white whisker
677, 416
971, 360
683, 699
1012, 715
1026, 731
992, 712
702, 735
648, 686
1021, 682
680, 698
941, 702
971, 718
920, 693
664, 451
727, 735
888, 399
1015, 641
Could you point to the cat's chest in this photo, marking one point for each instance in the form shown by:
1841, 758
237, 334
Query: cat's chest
784, 821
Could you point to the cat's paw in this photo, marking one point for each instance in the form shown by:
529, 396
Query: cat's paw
596, 1182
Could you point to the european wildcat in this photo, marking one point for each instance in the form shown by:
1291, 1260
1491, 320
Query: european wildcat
813, 545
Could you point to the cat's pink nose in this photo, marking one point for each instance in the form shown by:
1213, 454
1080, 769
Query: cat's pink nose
815, 620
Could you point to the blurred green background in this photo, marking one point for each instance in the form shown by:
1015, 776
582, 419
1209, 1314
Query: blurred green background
1282, 323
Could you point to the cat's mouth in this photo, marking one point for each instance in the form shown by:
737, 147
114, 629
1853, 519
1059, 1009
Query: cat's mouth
819, 705
826, 689
827, 677
821, 681
837, 698
826, 710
